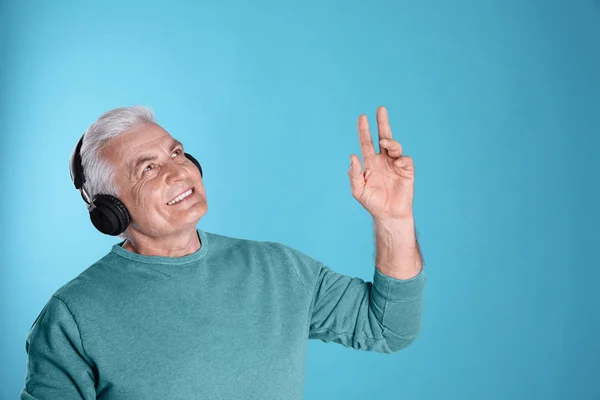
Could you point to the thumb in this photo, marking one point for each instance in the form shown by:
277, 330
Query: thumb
357, 180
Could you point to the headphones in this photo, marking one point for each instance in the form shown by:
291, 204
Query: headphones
108, 214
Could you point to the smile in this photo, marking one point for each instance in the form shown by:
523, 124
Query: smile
181, 197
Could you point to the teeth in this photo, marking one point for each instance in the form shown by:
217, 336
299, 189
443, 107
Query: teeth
180, 197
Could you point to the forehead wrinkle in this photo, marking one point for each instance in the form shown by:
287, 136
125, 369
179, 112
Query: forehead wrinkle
149, 157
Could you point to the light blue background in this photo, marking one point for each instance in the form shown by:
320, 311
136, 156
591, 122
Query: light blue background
498, 103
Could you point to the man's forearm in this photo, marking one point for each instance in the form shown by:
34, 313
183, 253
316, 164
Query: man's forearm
397, 249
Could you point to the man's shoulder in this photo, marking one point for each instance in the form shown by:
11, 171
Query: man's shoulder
92, 279
226, 243
263, 250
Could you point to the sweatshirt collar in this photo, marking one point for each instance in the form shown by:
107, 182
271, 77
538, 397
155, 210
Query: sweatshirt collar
120, 251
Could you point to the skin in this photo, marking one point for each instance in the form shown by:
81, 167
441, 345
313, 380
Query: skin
157, 229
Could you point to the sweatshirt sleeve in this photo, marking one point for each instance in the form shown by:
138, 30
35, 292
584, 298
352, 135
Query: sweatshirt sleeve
384, 315
57, 365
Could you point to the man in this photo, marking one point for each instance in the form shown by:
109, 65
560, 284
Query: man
175, 312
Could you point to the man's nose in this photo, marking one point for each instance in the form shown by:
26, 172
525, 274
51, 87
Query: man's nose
176, 171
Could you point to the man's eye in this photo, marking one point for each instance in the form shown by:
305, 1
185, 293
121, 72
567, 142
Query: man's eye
178, 151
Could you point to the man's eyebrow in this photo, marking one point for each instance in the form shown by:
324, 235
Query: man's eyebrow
144, 158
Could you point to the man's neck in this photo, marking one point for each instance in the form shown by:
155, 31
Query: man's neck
178, 246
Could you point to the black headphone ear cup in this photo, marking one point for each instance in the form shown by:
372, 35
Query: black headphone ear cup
110, 216
192, 159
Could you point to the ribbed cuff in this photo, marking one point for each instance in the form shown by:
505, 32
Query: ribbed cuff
399, 290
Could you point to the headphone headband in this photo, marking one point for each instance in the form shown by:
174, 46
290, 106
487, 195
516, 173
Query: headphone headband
77, 175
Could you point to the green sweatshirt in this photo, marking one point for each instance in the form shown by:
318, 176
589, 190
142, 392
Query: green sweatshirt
230, 321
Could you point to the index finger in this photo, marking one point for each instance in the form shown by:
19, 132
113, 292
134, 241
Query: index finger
383, 123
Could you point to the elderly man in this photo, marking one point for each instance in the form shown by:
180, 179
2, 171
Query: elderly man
175, 312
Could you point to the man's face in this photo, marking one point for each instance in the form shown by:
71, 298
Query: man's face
146, 187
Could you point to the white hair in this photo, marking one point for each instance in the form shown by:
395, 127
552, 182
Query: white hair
99, 173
